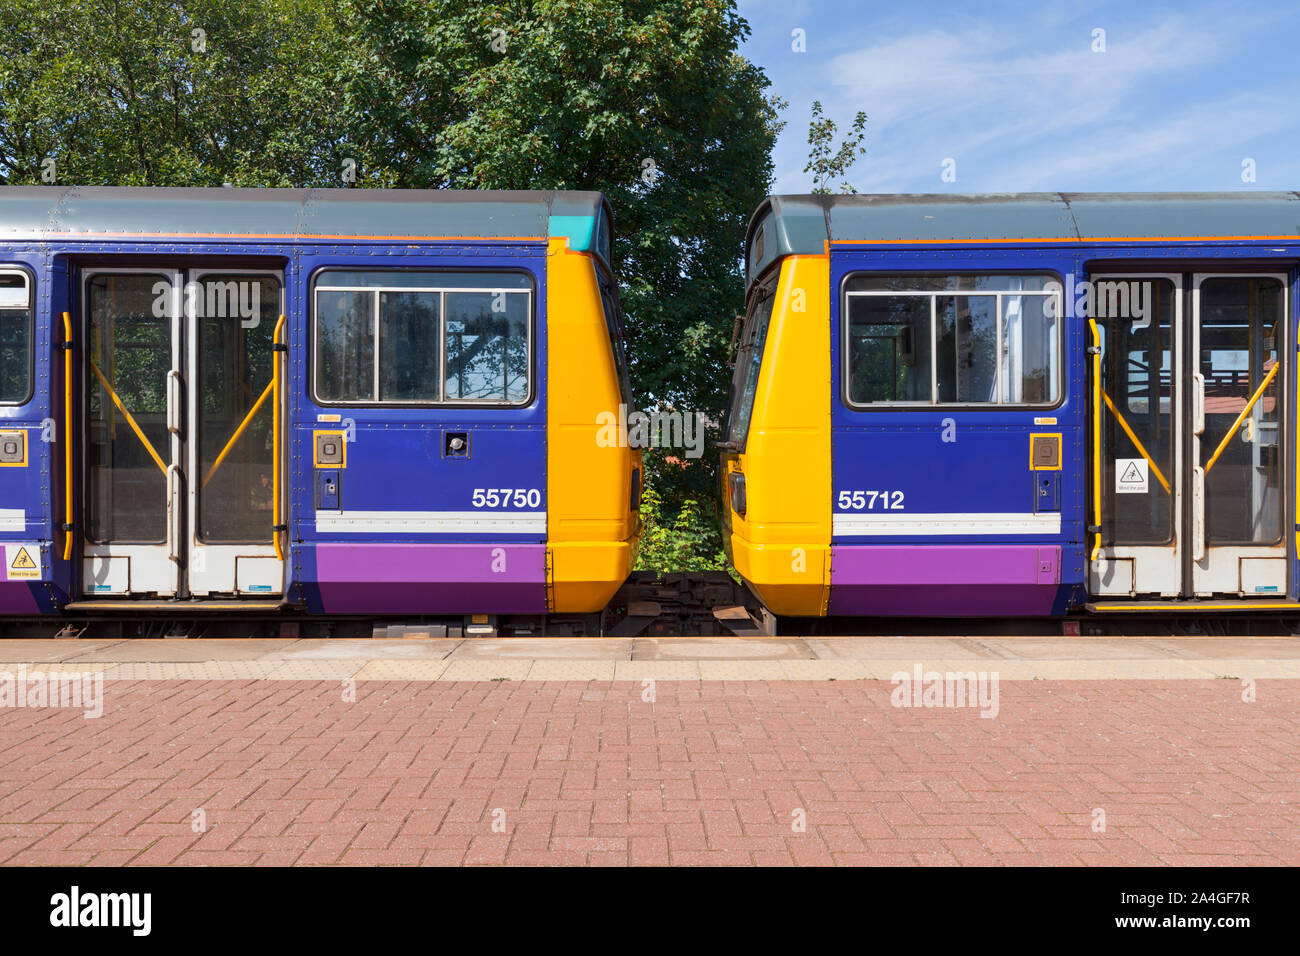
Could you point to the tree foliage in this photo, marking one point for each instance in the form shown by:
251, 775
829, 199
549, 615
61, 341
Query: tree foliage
680, 541
648, 101
826, 162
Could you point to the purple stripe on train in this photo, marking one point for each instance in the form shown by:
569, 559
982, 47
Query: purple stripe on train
944, 580
432, 578
16, 596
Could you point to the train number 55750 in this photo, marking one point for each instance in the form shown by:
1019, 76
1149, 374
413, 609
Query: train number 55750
506, 498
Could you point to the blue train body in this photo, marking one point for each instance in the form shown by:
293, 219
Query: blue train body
1159, 473
420, 484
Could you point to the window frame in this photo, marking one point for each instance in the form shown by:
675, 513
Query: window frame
960, 292
607, 283
530, 336
761, 291
29, 277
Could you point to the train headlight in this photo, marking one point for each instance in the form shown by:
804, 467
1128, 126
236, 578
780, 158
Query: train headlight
736, 482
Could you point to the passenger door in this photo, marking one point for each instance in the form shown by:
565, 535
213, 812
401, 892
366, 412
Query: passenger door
178, 459
1193, 441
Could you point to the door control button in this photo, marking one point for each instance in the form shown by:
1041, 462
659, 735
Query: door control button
13, 448
330, 450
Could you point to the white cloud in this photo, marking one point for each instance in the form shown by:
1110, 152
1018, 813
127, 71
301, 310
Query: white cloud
1033, 107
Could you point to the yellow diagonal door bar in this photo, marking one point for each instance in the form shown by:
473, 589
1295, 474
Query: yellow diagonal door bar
257, 406
1136, 442
130, 419
1242, 417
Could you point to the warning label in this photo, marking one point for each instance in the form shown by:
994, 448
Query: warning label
24, 562
1131, 476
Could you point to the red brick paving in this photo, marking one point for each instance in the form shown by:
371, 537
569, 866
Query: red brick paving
711, 773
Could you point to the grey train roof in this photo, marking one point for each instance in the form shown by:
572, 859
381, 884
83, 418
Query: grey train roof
803, 224
49, 212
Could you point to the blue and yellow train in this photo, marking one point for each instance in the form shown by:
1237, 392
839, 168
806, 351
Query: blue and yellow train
1017, 405
341, 402
369, 403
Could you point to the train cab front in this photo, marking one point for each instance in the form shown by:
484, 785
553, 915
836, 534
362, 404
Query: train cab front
993, 406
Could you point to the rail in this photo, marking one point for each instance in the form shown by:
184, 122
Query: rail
130, 419
1242, 417
67, 437
243, 426
1096, 439
1137, 443
276, 426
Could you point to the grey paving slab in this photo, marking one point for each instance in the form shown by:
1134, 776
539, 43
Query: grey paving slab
1070, 648
1245, 648
379, 649
892, 648
726, 649
33, 650
545, 648
180, 650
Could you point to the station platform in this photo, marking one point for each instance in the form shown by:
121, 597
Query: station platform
611, 659
538, 752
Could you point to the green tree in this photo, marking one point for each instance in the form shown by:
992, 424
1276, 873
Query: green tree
682, 541
825, 161
648, 101
153, 93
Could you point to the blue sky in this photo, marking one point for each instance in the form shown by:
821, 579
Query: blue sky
1015, 94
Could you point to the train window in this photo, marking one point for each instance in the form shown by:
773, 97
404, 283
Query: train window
345, 345
1030, 351
889, 349
487, 346
16, 335
614, 322
749, 361
409, 346
952, 339
967, 348
422, 337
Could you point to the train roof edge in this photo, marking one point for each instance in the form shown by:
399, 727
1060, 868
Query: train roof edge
803, 224
44, 213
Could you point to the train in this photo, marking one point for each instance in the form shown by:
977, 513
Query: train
1017, 405
383, 405
331, 402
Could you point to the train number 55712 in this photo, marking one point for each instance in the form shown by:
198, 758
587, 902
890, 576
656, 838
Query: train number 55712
871, 501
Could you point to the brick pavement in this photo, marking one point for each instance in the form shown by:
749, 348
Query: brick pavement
711, 772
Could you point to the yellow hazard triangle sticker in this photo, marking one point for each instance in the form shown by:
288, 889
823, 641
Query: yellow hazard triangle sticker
21, 565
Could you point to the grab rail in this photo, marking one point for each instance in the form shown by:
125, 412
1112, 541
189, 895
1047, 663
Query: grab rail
67, 437
1096, 439
130, 419
257, 406
276, 349
1240, 418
